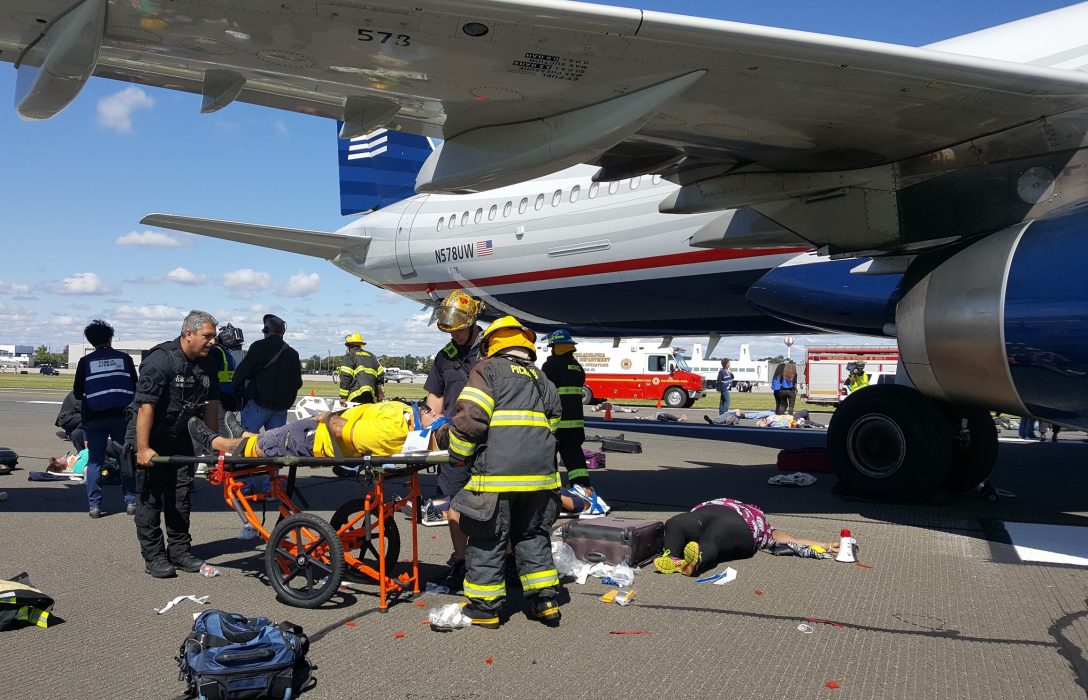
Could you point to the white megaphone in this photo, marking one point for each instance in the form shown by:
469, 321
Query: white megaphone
846, 548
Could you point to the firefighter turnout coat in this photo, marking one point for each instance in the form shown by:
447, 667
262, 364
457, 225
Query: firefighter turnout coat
566, 373
360, 375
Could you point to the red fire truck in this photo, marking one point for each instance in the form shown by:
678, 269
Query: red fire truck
825, 369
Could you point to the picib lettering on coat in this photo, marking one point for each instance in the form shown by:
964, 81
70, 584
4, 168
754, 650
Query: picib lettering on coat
455, 252
528, 372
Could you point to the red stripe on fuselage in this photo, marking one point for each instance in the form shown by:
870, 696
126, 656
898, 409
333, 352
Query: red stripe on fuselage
689, 258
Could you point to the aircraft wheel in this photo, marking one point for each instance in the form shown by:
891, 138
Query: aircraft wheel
889, 442
587, 395
974, 448
675, 397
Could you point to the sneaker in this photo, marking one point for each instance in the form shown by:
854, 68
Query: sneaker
346, 472
130, 509
596, 507
454, 577
187, 562
160, 567
202, 435
545, 610
668, 564
480, 617
692, 558
95, 513
233, 424
434, 515
707, 419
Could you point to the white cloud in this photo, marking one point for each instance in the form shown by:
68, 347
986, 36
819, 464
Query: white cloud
115, 111
80, 283
14, 288
302, 285
150, 239
281, 128
150, 312
183, 276
243, 283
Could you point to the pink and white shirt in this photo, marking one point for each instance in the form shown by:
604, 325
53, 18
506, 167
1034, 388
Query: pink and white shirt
753, 517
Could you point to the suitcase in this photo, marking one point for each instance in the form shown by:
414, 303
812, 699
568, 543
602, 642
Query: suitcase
594, 460
616, 444
805, 459
613, 539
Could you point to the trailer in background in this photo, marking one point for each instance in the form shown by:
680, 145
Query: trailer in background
747, 372
825, 370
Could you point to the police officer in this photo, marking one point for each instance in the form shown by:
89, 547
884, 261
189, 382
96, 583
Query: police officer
457, 316
225, 356
512, 496
568, 376
361, 375
176, 383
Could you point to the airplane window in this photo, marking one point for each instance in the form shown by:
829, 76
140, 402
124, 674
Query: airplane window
539, 202
492, 212
453, 221
479, 216
593, 189
464, 219
440, 222
656, 179
557, 198
523, 205
635, 182
574, 194
506, 209
613, 187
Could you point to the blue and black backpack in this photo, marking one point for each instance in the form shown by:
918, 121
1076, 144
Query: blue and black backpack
229, 656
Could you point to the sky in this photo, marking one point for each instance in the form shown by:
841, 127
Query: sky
73, 189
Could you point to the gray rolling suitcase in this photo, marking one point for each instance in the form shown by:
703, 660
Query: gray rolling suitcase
613, 539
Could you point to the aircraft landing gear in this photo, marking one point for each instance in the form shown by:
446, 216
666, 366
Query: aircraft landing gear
890, 442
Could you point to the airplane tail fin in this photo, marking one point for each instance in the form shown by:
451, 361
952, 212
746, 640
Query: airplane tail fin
379, 169
1053, 39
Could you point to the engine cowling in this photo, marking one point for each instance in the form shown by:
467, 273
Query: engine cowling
1003, 323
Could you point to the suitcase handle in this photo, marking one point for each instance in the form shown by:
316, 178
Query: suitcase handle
594, 557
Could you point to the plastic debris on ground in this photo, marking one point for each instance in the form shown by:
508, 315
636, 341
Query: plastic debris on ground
833, 684
727, 576
209, 571
436, 589
201, 600
448, 617
248, 532
807, 629
565, 560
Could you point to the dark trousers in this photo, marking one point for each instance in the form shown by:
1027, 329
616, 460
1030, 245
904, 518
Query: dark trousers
568, 443
166, 490
523, 520
102, 434
720, 531
783, 401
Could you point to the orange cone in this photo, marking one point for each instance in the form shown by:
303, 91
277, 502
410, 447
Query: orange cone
311, 392
659, 402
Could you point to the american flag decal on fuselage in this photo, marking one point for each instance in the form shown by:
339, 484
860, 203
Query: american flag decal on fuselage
484, 248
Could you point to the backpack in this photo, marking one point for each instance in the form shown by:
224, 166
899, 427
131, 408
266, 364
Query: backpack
229, 656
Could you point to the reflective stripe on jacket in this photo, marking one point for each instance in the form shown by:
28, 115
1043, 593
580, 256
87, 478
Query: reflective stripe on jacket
108, 383
360, 375
504, 422
567, 375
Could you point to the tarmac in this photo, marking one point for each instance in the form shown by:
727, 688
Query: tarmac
947, 604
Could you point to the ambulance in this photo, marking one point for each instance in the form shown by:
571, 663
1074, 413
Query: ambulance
635, 370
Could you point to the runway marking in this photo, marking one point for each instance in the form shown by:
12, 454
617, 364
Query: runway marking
51, 403
1050, 544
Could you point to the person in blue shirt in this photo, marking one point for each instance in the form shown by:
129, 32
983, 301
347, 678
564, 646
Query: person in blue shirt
105, 385
725, 383
784, 386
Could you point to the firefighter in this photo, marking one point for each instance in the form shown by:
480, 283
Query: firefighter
503, 434
566, 373
361, 375
857, 379
456, 315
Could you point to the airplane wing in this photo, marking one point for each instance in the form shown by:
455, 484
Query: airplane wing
318, 244
521, 88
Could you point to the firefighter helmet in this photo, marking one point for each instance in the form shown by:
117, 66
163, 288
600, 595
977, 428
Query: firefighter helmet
457, 311
354, 339
508, 332
560, 337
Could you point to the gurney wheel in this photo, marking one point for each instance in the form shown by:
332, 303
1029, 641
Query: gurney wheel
304, 560
362, 539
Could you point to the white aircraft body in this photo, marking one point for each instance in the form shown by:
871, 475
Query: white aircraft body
960, 166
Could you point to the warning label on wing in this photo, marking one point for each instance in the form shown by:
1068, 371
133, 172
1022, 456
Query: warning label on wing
547, 66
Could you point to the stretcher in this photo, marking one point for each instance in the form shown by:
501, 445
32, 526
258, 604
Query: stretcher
307, 558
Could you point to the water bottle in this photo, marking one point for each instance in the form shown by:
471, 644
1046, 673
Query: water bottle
248, 532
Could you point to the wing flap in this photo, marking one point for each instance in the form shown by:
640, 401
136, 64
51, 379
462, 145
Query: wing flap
317, 244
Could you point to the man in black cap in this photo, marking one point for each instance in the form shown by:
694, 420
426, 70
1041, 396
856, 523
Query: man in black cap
270, 375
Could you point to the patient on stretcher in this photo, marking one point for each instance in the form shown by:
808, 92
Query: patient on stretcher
377, 429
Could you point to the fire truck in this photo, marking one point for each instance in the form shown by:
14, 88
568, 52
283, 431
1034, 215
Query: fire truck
635, 370
825, 369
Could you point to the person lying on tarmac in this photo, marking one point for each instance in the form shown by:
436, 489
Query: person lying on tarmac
376, 429
724, 529
765, 419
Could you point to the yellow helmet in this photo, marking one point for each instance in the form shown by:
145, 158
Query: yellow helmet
457, 311
507, 332
354, 339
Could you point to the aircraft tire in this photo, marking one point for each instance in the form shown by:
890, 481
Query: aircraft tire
889, 442
974, 448
674, 397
